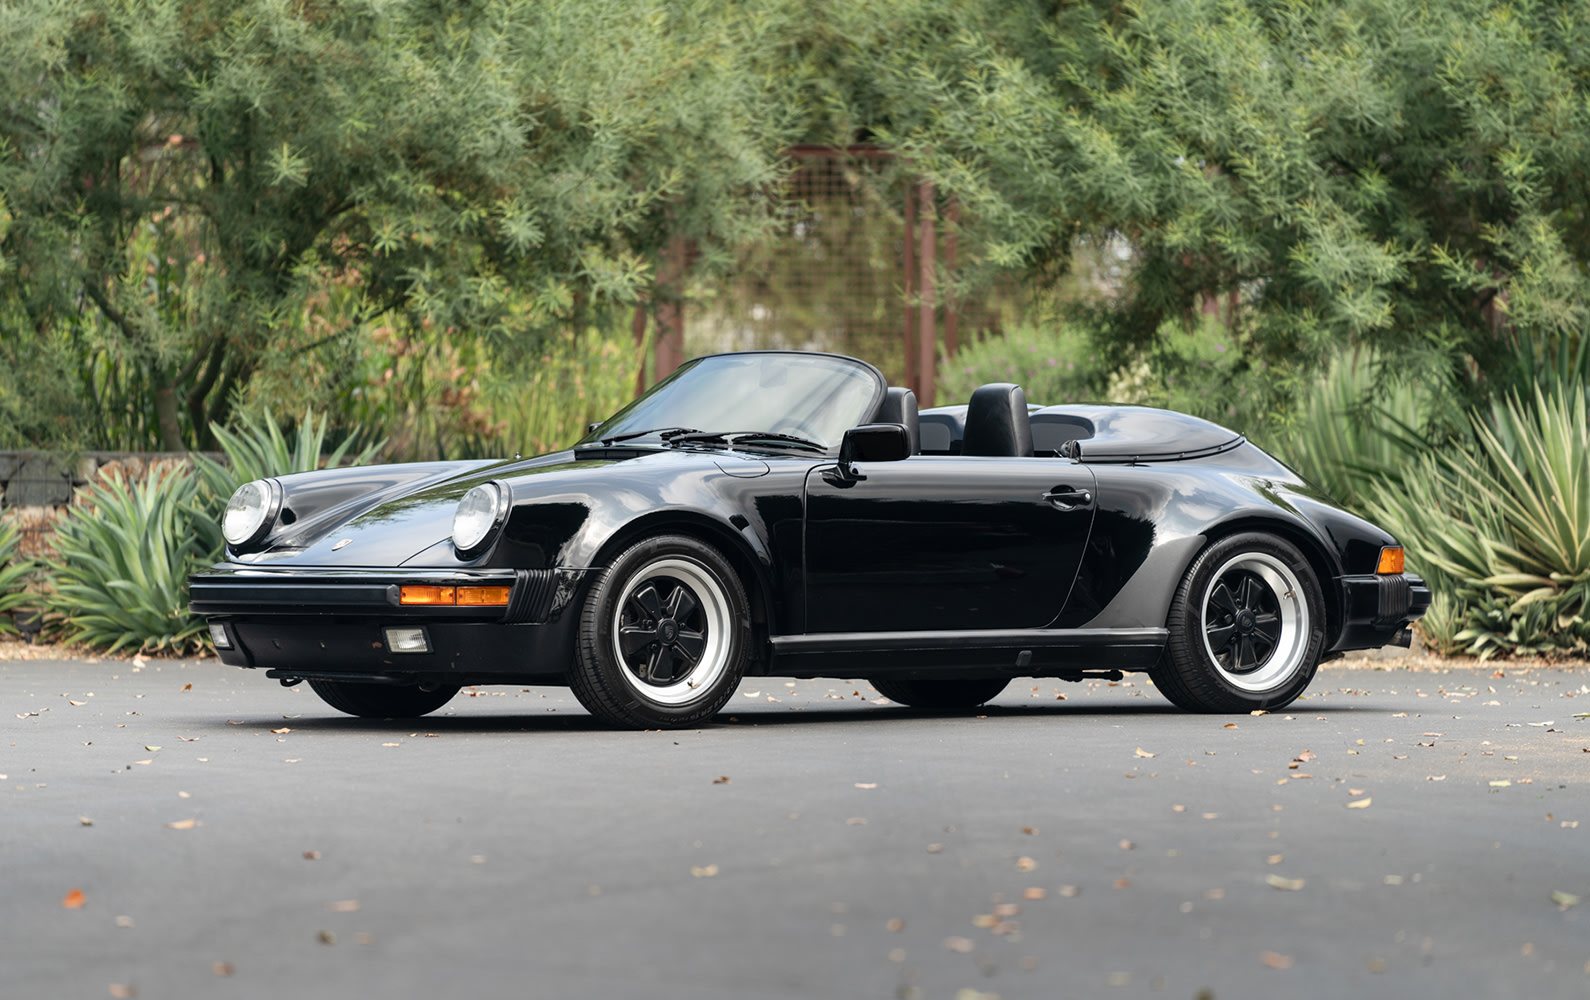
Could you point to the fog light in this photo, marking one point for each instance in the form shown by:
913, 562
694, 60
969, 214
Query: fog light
407, 640
219, 637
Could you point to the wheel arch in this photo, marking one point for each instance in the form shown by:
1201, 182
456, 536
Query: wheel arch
749, 564
1319, 560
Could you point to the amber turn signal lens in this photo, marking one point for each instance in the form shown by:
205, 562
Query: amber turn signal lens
426, 595
1390, 560
482, 596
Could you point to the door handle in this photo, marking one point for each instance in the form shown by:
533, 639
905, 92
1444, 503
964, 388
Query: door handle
1066, 498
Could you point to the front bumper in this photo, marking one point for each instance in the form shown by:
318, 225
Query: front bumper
1378, 608
309, 623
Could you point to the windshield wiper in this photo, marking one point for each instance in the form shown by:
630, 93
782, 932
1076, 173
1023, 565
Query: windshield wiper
663, 432
735, 437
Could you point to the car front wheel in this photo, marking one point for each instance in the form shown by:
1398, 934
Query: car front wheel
664, 636
382, 701
1247, 626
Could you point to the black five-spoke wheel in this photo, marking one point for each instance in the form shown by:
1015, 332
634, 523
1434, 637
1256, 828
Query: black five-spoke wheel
663, 635
1247, 626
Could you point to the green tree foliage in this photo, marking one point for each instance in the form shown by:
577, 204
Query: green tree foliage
179, 176
1408, 176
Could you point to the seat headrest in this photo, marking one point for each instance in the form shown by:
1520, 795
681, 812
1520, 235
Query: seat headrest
996, 422
899, 407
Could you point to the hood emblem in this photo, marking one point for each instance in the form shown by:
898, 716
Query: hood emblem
340, 544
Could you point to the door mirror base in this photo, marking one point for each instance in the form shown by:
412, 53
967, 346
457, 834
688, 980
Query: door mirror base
872, 443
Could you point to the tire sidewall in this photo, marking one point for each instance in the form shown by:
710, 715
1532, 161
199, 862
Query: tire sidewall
616, 693
1202, 682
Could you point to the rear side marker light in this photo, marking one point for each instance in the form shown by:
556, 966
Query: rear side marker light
1391, 560
219, 637
407, 640
468, 597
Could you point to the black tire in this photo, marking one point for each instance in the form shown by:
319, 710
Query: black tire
945, 694
1247, 627
382, 701
664, 636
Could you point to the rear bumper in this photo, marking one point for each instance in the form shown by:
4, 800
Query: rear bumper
1378, 608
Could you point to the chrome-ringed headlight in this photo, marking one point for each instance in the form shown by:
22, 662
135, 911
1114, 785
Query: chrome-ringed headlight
251, 513
478, 516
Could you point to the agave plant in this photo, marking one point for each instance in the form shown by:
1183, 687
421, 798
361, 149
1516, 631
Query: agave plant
1503, 526
13, 576
256, 448
121, 572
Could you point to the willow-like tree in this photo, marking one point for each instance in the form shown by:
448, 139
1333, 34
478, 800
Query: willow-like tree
177, 174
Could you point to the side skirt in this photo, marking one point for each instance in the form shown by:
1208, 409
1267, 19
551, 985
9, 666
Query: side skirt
993, 652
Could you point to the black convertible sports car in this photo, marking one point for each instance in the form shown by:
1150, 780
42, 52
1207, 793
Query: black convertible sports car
790, 514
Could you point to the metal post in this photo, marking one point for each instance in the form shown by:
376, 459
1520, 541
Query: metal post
927, 339
909, 270
671, 308
951, 306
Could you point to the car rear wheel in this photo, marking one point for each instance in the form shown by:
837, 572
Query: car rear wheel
664, 636
1247, 626
382, 701
942, 694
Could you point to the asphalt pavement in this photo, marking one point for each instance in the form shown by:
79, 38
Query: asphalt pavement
186, 829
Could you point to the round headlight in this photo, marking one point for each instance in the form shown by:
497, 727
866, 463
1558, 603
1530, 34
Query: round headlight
476, 516
248, 513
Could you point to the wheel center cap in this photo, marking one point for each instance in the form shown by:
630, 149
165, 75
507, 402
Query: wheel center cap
1245, 621
668, 630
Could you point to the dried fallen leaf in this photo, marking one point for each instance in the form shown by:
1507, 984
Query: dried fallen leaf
984, 920
1126, 845
866, 784
1356, 791
1274, 859
895, 925
1259, 711
1229, 725
722, 779
74, 900
1030, 831
1034, 892
1504, 783
935, 848
1305, 757
220, 968
707, 871
1280, 882
1275, 960
960, 944
1123, 883
1025, 864
311, 855
183, 824
71, 702
1140, 752
343, 906
123, 991
326, 937
1362, 803
856, 821
1178, 808
1564, 899
152, 749
391, 744
84, 821
1069, 891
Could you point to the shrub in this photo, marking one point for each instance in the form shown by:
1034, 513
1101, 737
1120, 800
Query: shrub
545, 402
1052, 363
123, 558
256, 448
13, 576
1502, 524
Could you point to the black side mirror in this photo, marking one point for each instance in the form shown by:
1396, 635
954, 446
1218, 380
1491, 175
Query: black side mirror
873, 443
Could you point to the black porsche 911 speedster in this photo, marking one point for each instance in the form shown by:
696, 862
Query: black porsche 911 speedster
789, 514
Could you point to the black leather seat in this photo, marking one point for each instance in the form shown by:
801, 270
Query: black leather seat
899, 407
996, 422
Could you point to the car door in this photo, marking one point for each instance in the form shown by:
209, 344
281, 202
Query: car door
944, 543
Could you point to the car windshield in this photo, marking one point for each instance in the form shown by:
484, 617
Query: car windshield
812, 397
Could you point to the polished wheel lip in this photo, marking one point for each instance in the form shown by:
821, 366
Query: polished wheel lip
1285, 590
718, 625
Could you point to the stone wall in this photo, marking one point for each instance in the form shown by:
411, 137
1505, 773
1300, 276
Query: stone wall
37, 487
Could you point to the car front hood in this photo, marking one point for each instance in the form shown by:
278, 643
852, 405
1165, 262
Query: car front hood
415, 527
